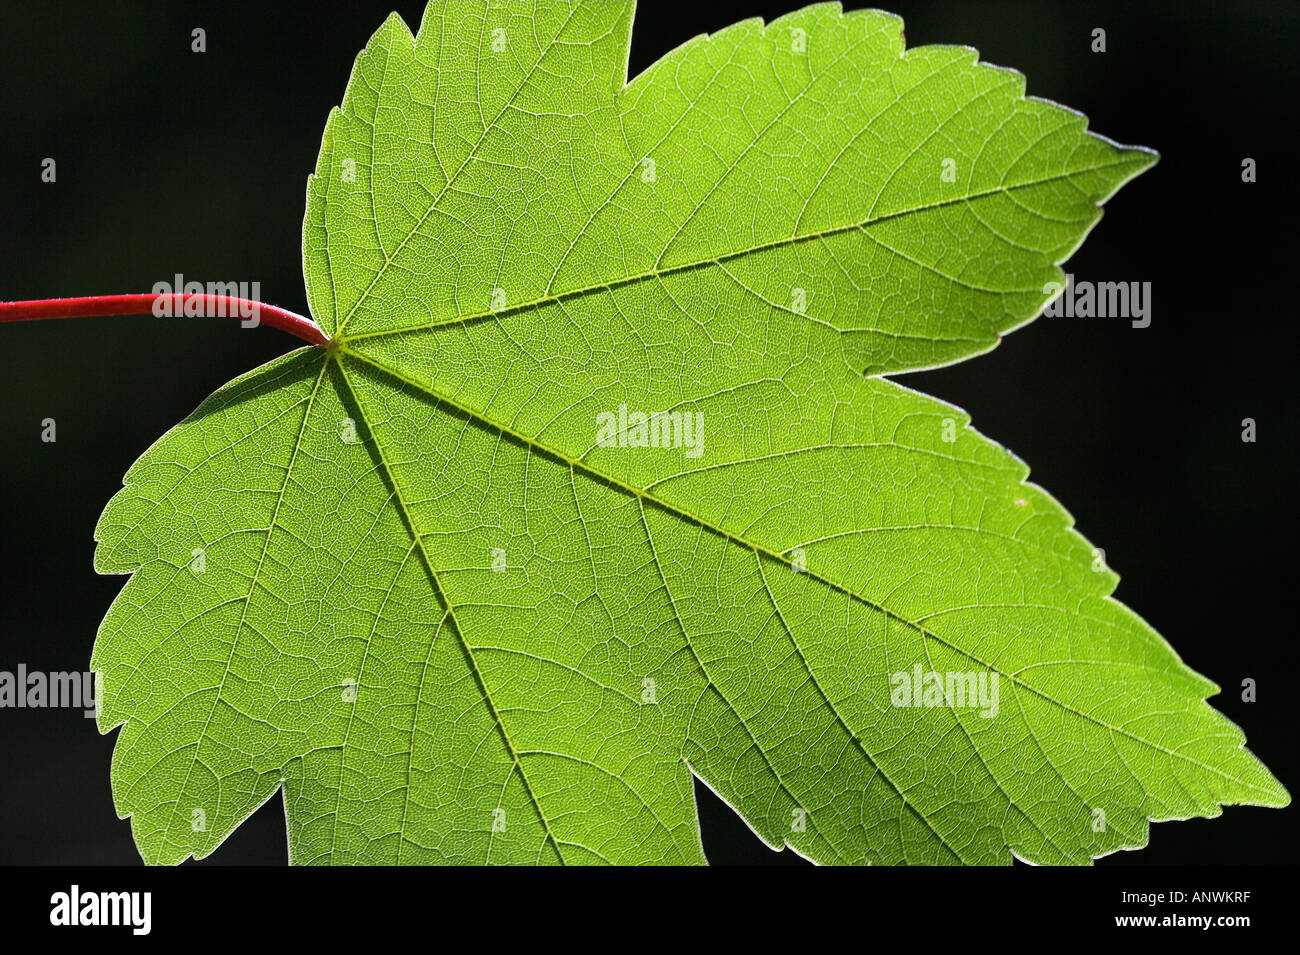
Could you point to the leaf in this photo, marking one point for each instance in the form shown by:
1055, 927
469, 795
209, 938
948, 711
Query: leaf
404, 578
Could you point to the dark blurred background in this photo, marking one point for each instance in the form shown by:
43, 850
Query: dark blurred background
171, 161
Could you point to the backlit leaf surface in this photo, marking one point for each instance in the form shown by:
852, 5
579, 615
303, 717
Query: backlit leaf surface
403, 578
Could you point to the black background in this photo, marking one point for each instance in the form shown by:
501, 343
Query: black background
170, 161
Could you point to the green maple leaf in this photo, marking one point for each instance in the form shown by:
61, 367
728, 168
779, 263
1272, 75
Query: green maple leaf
427, 581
